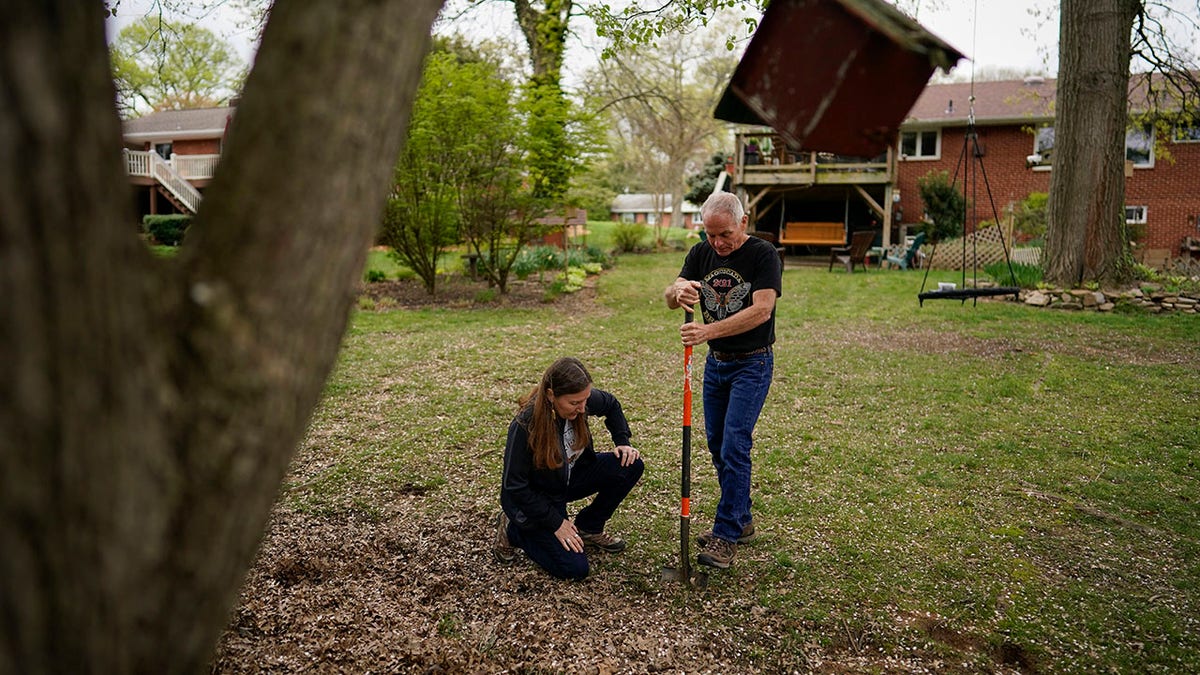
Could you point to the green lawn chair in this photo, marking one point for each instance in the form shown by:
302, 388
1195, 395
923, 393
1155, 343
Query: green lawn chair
905, 260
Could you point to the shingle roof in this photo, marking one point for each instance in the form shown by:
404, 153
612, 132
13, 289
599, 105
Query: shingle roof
644, 203
201, 122
1031, 99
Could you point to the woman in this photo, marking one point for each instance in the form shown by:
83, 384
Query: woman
549, 460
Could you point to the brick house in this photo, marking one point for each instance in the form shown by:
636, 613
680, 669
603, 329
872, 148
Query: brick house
172, 155
1014, 123
650, 209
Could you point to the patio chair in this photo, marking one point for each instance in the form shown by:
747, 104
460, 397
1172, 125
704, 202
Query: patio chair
905, 260
860, 243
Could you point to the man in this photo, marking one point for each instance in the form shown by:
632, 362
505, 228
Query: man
735, 278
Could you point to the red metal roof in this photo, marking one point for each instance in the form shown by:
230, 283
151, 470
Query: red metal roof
833, 75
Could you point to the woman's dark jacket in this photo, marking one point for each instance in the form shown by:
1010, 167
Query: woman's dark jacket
537, 498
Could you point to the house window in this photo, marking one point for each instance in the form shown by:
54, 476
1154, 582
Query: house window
1135, 215
1139, 147
1186, 132
163, 150
921, 144
1043, 147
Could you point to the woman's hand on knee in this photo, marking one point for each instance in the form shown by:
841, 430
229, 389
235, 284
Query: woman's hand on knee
569, 537
626, 454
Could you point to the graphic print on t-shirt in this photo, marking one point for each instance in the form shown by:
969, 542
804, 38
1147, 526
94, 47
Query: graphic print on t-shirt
723, 290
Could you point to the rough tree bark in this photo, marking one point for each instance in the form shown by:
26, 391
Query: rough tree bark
149, 408
1085, 234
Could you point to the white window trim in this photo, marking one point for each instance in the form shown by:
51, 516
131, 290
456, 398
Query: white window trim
1041, 166
1175, 134
937, 142
1136, 220
1149, 164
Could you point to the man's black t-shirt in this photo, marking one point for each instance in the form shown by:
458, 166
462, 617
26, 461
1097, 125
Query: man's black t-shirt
727, 286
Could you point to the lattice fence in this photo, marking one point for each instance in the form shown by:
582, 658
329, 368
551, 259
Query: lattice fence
983, 247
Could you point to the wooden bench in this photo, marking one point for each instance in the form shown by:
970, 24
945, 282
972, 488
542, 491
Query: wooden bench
814, 234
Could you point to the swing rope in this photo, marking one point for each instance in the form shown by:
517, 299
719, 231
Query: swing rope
969, 170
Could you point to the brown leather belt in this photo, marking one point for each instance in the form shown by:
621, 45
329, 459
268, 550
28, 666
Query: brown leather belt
738, 356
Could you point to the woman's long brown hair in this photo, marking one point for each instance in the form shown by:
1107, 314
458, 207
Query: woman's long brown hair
564, 377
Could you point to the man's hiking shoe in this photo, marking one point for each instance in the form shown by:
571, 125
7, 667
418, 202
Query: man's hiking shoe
717, 553
603, 541
748, 535
502, 551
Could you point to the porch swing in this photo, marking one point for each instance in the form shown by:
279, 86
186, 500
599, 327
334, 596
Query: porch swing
971, 186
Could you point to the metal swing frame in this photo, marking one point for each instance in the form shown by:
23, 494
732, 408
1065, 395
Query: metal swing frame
971, 142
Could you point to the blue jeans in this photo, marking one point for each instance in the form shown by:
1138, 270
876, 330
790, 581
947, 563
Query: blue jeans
734, 392
605, 478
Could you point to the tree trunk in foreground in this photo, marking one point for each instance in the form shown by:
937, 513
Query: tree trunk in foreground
1085, 238
148, 407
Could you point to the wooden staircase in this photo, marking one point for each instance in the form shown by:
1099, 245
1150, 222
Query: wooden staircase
169, 183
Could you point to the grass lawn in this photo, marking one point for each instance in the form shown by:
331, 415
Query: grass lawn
947, 488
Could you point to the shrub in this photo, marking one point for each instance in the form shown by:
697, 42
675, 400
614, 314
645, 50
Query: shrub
589, 260
375, 276
166, 230
1026, 276
944, 205
628, 237
537, 259
1029, 218
579, 257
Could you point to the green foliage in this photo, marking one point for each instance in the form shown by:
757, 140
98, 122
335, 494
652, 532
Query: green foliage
588, 255
537, 259
165, 65
701, 185
1171, 283
167, 230
374, 276
1029, 218
498, 210
443, 173
601, 179
571, 280
540, 259
944, 205
553, 157
1023, 275
628, 237
628, 25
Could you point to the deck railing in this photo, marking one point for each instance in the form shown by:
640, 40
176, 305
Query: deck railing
762, 159
195, 167
150, 165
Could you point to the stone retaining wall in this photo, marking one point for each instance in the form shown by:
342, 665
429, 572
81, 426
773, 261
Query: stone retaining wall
1148, 297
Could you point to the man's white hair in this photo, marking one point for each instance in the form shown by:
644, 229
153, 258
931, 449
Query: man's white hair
722, 202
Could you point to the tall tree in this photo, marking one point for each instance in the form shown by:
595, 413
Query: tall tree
149, 408
166, 65
661, 101
546, 28
1085, 237
1084, 240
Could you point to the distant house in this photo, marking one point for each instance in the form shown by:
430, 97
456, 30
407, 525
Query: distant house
1014, 121
651, 209
171, 156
